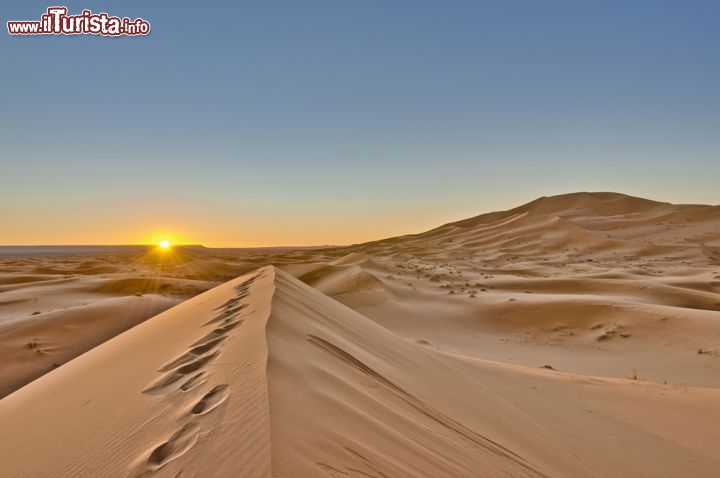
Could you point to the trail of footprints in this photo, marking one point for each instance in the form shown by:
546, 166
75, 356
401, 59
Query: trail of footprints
187, 372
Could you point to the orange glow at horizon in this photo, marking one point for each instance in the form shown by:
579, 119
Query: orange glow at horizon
252, 232
217, 227
165, 239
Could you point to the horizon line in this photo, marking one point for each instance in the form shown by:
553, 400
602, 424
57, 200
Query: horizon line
175, 245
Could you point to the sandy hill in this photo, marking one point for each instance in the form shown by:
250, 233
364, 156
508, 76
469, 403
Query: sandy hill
266, 376
576, 335
593, 283
599, 284
577, 226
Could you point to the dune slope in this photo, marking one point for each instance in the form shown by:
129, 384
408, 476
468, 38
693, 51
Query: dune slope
266, 376
152, 400
600, 284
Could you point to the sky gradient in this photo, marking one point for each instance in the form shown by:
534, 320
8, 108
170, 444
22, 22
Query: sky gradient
334, 122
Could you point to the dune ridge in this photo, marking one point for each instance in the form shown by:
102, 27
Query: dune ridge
140, 402
546, 340
266, 376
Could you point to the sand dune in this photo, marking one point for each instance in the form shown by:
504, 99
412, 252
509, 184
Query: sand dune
265, 376
149, 394
546, 340
47, 320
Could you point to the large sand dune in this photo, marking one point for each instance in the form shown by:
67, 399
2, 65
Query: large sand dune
265, 376
576, 335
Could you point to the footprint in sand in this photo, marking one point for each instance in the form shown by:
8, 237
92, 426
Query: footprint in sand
187, 369
193, 353
178, 374
228, 326
176, 446
227, 314
218, 332
194, 382
229, 303
211, 400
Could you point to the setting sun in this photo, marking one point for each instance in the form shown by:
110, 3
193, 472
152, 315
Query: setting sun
164, 244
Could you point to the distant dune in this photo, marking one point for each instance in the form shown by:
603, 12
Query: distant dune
573, 336
579, 225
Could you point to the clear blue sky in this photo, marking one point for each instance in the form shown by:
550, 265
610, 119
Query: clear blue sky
305, 122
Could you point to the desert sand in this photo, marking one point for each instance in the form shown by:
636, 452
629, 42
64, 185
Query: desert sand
577, 335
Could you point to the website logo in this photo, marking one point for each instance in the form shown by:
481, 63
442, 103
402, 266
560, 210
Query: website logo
57, 22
